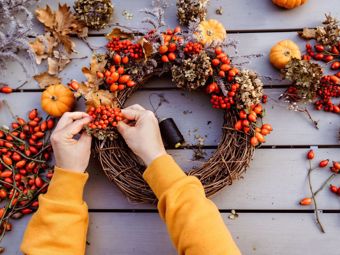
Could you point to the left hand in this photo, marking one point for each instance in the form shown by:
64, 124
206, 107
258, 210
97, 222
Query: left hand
71, 154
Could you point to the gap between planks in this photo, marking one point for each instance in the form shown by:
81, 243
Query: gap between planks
309, 211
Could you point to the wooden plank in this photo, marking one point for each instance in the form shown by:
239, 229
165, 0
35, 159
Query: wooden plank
143, 234
275, 180
195, 117
128, 234
237, 15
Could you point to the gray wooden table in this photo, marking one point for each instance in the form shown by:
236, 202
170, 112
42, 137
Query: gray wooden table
270, 220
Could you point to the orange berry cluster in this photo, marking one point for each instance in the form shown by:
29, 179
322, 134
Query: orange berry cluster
168, 49
260, 133
222, 102
221, 64
104, 117
117, 79
244, 124
24, 153
125, 48
193, 48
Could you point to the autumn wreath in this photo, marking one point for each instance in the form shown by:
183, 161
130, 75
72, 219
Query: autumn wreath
196, 61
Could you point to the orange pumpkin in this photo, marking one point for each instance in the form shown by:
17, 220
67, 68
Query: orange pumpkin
211, 31
289, 4
57, 99
283, 52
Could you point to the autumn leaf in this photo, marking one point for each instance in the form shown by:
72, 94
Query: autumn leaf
116, 32
146, 46
45, 79
38, 48
43, 46
62, 24
100, 97
57, 62
98, 63
308, 33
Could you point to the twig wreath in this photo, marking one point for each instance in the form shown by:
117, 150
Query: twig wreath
195, 60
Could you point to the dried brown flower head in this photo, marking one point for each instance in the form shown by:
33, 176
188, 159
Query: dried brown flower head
95, 13
193, 72
306, 76
327, 35
251, 89
191, 11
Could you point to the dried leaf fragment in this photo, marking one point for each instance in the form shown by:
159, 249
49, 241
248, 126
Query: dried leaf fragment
308, 33
45, 79
117, 32
98, 63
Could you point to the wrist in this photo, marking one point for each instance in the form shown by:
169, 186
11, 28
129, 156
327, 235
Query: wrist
148, 159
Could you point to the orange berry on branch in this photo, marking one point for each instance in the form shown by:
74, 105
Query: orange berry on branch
117, 59
165, 59
215, 62
163, 49
306, 201
253, 141
171, 56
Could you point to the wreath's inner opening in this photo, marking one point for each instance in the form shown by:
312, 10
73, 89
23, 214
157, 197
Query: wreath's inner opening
199, 123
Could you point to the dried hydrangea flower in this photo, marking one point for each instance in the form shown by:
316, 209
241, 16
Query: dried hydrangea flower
306, 76
191, 11
193, 72
95, 13
251, 89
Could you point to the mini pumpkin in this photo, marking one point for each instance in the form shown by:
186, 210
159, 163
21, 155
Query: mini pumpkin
57, 99
282, 53
289, 4
211, 31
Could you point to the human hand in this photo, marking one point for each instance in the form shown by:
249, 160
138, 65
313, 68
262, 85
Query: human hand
71, 154
144, 137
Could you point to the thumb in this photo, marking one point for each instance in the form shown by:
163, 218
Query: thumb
122, 127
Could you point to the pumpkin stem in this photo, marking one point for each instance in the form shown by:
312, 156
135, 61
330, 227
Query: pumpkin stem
54, 98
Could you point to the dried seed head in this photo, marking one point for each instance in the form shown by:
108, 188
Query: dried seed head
95, 13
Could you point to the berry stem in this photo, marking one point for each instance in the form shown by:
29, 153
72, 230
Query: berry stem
316, 212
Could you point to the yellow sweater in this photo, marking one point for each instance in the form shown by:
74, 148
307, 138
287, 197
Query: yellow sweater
193, 221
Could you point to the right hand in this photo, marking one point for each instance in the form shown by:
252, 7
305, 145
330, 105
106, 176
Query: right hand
71, 154
144, 137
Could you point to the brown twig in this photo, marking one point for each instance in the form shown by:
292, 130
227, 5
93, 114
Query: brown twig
316, 123
316, 212
324, 184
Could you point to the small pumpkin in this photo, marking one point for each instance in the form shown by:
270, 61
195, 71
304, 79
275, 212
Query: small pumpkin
289, 4
57, 99
283, 52
211, 31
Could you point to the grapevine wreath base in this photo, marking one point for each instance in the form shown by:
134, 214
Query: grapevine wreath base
195, 59
228, 163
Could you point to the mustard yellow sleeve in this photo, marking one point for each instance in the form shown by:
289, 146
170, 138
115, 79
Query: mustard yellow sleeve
193, 221
60, 224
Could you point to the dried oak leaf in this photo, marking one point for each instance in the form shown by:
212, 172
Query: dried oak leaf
43, 46
38, 48
116, 32
57, 62
100, 97
61, 24
98, 63
146, 46
45, 79
308, 33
